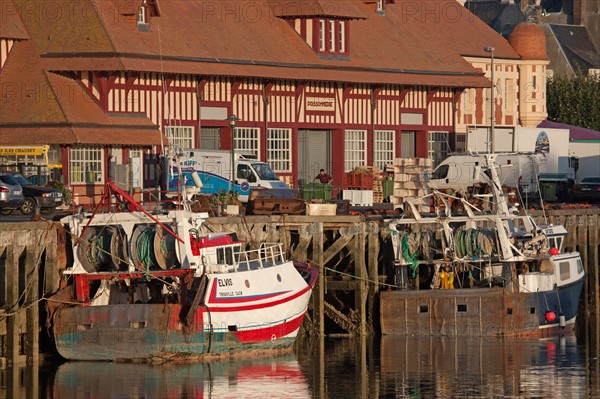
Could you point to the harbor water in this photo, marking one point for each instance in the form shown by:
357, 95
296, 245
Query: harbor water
380, 367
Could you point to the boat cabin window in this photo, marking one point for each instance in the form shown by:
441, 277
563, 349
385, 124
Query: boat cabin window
228, 255
579, 266
565, 271
555, 242
225, 256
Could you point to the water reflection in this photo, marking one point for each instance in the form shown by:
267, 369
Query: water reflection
482, 367
236, 379
387, 367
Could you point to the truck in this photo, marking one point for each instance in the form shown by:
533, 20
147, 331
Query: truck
542, 165
213, 168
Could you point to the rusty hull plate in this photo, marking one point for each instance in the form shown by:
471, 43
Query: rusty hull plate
462, 312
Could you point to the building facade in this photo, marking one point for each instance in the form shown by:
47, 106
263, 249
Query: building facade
314, 84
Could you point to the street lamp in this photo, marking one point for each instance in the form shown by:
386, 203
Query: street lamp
232, 120
491, 139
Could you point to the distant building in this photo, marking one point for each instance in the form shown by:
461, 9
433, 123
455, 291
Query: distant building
502, 16
572, 29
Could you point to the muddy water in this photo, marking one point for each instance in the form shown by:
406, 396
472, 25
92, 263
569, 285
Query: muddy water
385, 367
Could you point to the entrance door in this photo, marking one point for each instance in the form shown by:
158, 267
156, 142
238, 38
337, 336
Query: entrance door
314, 154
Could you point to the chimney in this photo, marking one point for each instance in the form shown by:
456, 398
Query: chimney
578, 12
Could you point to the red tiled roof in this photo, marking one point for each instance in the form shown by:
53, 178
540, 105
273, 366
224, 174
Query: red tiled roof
39, 107
317, 8
99, 135
409, 45
11, 26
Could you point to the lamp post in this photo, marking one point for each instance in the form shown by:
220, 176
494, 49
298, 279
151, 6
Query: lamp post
232, 120
491, 139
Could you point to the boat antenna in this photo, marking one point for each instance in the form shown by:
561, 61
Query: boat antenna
162, 78
537, 181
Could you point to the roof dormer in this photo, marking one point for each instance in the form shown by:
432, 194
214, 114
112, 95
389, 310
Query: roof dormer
324, 28
146, 10
379, 5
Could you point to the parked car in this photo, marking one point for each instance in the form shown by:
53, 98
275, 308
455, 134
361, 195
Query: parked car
44, 198
11, 194
588, 189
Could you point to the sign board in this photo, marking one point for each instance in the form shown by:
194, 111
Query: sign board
320, 104
23, 150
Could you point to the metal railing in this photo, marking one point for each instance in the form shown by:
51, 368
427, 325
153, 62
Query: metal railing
268, 254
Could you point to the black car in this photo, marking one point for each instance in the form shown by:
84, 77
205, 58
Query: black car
588, 189
46, 199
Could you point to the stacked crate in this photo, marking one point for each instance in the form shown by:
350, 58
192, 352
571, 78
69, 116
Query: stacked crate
377, 180
410, 180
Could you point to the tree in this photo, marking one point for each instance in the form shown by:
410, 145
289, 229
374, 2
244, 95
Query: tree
574, 100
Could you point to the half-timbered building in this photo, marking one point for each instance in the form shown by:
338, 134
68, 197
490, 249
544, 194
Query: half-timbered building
315, 84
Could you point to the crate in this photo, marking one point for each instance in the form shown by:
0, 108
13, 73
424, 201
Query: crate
311, 191
358, 197
321, 209
409, 185
358, 181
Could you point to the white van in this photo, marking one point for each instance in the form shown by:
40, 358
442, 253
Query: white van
214, 170
458, 172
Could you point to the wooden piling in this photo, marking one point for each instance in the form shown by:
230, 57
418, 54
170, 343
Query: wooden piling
372, 230
24, 249
319, 295
361, 276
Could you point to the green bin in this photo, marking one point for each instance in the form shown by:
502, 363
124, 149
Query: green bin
387, 186
319, 191
548, 191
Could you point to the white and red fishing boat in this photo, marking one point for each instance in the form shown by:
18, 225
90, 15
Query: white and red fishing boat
147, 286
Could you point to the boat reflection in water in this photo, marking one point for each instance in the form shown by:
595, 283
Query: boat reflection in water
482, 367
258, 378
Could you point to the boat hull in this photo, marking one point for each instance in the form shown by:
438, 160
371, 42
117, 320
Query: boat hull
233, 324
478, 312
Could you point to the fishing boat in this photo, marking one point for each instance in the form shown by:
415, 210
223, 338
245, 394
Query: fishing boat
160, 286
480, 272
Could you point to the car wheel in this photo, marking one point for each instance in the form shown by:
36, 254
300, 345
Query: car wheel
6, 211
28, 206
47, 211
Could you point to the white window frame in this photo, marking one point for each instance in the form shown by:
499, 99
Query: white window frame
86, 165
180, 136
355, 149
342, 45
321, 35
141, 16
247, 139
385, 148
279, 149
432, 153
332, 35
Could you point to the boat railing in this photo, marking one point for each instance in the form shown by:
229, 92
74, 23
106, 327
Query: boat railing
268, 254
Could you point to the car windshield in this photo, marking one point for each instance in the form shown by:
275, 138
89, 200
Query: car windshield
590, 180
8, 179
441, 172
21, 180
264, 172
